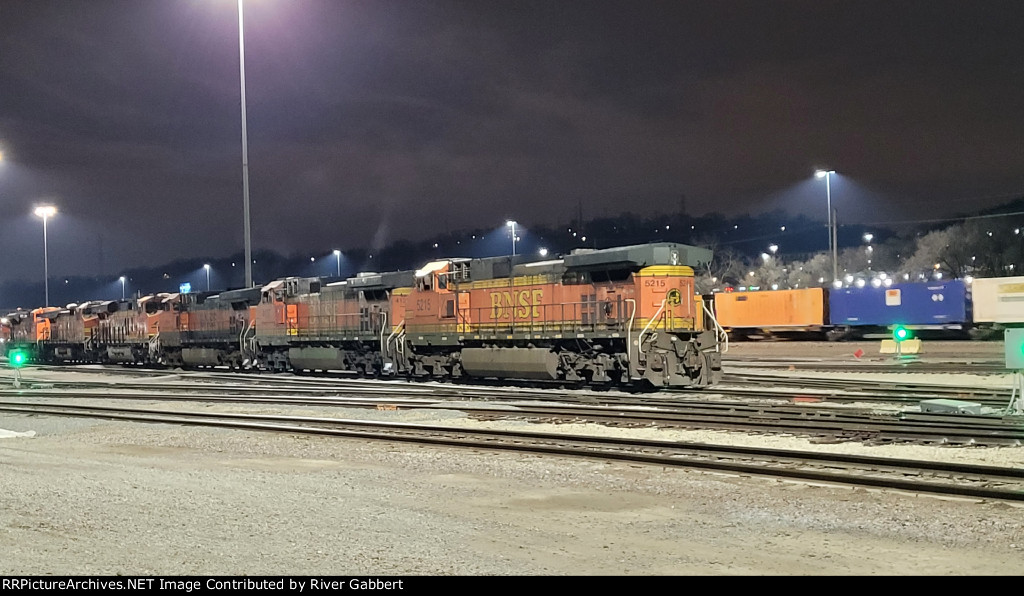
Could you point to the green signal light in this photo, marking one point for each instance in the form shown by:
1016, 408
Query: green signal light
900, 333
18, 359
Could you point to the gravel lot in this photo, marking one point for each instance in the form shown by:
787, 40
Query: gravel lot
103, 497
99, 497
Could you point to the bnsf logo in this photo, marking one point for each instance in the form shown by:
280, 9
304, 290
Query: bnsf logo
504, 304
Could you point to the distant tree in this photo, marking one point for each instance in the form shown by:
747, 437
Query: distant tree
948, 251
727, 267
768, 272
815, 271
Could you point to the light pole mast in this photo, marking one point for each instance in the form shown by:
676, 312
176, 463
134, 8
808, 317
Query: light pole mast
512, 224
46, 264
245, 152
46, 212
833, 235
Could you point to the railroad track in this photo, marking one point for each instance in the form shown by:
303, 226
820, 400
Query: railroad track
820, 423
892, 366
982, 482
859, 390
769, 385
754, 383
762, 387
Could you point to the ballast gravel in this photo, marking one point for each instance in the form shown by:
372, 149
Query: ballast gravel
106, 497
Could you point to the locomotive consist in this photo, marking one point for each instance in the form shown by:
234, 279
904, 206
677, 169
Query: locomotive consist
624, 316
950, 308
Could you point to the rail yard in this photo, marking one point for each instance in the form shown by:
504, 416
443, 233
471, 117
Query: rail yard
495, 289
824, 458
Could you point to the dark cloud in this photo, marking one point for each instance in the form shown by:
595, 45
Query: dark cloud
371, 122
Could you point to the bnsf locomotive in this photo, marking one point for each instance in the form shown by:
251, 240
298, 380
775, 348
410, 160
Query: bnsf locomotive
625, 316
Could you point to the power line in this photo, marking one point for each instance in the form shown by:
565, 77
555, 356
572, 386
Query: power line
917, 221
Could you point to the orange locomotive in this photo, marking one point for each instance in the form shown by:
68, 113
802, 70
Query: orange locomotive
301, 324
603, 317
622, 316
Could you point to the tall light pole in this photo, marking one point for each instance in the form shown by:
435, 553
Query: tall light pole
207, 267
245, 153
512, 224
832, 239
122, 280
46, 212
337, 255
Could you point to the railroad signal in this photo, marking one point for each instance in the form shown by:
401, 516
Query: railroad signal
900, 333
17, 358
1013, 345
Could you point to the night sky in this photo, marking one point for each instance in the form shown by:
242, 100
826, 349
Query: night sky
376, 121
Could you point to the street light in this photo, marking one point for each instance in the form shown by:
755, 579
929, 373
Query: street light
868, 237
46, 212
543, 252
337, 255
245, 153
512, 225
122, 280
207, 267
832, 239
773, 248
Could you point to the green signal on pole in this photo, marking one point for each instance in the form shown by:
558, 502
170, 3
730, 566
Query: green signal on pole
900, 333
17, 358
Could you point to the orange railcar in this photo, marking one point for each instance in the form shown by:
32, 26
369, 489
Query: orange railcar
777, 311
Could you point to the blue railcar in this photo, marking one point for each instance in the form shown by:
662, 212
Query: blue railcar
935, 305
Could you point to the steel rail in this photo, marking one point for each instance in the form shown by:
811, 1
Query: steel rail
966, 480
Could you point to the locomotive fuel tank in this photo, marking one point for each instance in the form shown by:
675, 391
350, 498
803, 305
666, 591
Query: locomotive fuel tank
525, 363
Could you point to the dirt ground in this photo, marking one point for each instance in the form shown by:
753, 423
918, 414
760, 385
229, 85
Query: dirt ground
97, 497
101, 497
